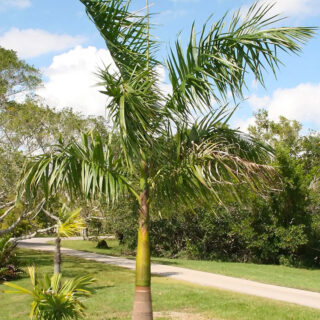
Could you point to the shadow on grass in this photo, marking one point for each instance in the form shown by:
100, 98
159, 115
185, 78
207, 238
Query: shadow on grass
168, 263
34, 259
104, 287
71, 266
164, 274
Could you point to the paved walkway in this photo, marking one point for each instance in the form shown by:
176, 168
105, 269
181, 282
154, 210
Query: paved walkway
301, 297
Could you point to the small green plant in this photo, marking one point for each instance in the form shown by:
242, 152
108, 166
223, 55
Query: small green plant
102, 244
54, 300
6, 250
69, 224
8, 263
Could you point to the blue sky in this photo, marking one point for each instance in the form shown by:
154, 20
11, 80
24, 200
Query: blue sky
58, 38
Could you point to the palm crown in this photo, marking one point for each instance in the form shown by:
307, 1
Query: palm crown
160, 145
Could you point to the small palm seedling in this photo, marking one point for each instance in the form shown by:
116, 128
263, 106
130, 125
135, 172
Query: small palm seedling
54, 299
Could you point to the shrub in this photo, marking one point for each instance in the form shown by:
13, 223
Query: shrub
8, 262
102, 244
54, 300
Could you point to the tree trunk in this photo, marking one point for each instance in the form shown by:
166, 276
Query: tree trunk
57, 256
142, 308
85, 233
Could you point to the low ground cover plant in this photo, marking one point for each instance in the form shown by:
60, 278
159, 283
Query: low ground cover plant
53, 299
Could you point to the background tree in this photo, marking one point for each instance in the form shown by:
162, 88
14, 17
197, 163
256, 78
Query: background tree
16, 77
291, 208
173, 158
279, 227
27, 127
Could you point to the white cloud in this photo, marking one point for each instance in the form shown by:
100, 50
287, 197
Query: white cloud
35, 42
166, 88
72, 82
172, 14
290, 8
298, 7
243, 124
258, 102
20, 4
254, 84
301, 103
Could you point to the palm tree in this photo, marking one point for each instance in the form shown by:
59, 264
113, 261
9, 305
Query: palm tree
68, 224
54, 300
163, 156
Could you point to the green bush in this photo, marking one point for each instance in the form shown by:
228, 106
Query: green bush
102, 244
54, 299
238, 235
8, 263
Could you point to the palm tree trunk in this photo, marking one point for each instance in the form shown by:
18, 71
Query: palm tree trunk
142, 308
85, 233
57, 256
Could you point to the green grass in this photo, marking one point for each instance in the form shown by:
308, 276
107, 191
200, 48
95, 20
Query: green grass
308, 279
114, 296
90, 246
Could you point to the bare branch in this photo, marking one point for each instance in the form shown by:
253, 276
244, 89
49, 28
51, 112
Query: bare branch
12, 226
6, 213
32, 235
96, 218
23, 215
6, 205
38, 208
50, 215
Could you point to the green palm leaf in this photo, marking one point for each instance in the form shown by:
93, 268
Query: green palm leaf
125, 34
207, 160
54, 300
88, 168
216, 60
135, 99
70, 223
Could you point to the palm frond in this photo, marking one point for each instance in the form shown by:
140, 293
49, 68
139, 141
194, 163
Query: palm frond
125, 34
70, 223
53, 299
134, 97
217, 60
88, 168
208, 160
134, 108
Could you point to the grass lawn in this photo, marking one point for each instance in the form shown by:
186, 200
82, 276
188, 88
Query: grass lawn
308, 279
114, 296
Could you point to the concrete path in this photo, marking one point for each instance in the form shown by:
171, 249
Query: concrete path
300, 297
